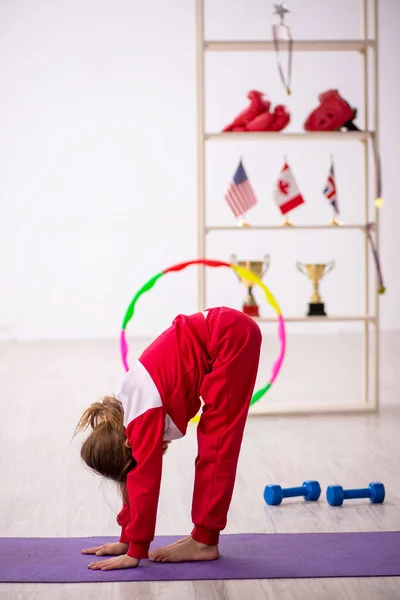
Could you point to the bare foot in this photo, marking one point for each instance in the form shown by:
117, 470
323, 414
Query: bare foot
185, 550
155, 553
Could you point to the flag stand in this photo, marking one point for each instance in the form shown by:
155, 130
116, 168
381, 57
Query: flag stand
287, 223
335, 223
243, 222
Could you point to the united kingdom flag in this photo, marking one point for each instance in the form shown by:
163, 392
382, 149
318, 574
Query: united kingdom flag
330, 189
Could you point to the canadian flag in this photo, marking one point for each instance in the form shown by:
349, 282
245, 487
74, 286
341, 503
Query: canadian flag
287, 194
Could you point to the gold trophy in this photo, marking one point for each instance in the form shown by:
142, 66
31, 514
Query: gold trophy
316, 307
259, 268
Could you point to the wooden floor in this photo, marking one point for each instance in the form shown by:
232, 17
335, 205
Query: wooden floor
45, 491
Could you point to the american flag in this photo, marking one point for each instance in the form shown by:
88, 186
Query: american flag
240, 195
330, 189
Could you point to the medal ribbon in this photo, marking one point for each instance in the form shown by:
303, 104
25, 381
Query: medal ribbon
287, 81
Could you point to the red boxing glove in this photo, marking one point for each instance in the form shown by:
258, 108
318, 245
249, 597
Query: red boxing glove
282, 118
332, 114
275, 121
261, 123
256, 107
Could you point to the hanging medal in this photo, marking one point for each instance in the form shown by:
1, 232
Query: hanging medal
281, 10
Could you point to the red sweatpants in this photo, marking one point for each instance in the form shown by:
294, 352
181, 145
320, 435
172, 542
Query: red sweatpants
234, 351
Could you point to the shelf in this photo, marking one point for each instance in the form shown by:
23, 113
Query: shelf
283, 408
298, 45
338, 136
329, 318
280, 227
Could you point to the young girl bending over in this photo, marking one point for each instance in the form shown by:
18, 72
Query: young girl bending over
212, 355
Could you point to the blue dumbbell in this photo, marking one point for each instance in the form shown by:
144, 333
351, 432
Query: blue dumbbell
274, 494
335, 494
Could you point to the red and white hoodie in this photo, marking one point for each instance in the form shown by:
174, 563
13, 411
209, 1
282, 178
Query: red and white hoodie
159, 394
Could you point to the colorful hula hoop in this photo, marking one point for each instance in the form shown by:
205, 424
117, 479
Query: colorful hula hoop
249, 276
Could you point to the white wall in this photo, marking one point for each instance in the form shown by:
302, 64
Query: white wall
98, 160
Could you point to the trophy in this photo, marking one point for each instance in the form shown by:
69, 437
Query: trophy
316, 307
259, 268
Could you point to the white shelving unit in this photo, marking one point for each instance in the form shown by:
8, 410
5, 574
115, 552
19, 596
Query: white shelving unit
366, 46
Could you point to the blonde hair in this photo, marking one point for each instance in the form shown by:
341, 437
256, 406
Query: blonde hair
104, 450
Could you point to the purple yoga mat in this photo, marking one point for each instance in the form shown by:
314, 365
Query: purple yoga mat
243, 556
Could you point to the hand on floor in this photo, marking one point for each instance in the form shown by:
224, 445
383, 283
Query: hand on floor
119, 562
107, 549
